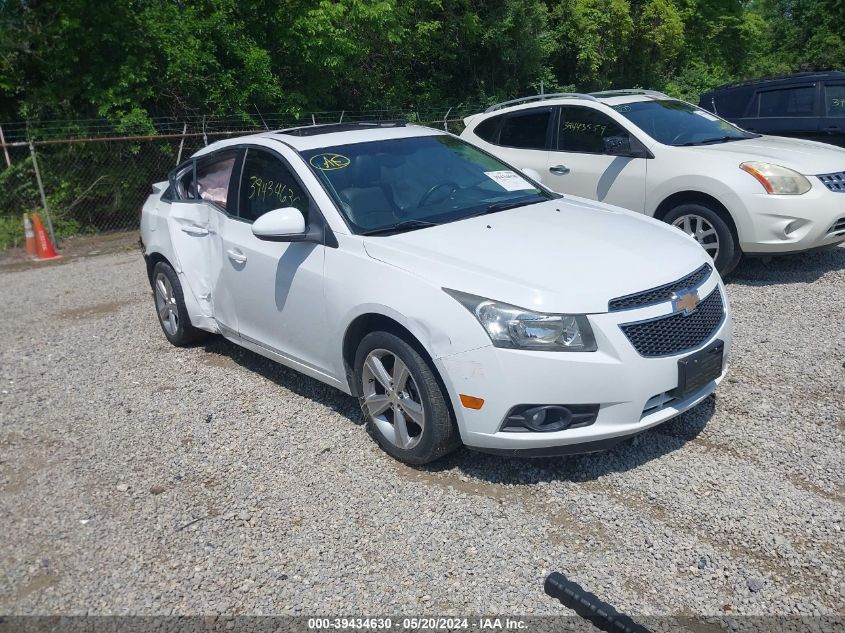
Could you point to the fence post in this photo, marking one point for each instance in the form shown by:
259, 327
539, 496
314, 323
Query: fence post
43, 196
446, 120
5, 149
181, 143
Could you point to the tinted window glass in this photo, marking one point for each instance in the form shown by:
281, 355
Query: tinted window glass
488, 129
525, 130
213, 178
436, 179
834, 98
788, 102
267, 184
584, 130
677, 123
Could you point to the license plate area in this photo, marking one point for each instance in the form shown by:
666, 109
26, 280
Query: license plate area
696, 370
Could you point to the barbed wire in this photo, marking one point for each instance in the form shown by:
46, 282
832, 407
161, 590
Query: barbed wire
48, 129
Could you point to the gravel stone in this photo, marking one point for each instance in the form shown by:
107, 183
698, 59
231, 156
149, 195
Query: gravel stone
258, 518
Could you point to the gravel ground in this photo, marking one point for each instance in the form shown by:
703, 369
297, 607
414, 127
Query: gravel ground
138, 478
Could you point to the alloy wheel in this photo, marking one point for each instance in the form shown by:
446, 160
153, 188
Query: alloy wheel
168, 312
392, 399
701, 230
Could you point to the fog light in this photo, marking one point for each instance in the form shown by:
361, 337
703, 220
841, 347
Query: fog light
548, 418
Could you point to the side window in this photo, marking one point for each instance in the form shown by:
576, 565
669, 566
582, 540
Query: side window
834, 99
488, 129
267, 184
787, 102
214, 176
525, 129
185, 183
585, 130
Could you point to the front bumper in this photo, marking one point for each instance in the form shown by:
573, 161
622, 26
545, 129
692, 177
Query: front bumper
787, 224
631, 390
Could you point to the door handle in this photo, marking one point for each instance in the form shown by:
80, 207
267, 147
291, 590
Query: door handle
236, 256
192, 229
560, 170
832, 128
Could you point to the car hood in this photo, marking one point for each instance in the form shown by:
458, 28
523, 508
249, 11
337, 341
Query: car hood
805, 157
567, 255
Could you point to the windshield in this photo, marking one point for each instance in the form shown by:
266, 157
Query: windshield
677, 123
411, 183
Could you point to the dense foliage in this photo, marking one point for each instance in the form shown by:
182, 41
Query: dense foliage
129, 59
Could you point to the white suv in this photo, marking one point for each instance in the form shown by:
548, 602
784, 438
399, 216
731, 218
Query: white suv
734, 191
460, 301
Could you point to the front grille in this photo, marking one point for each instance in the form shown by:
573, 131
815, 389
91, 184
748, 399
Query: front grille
659, 294
834, 182
837, 228
676, 333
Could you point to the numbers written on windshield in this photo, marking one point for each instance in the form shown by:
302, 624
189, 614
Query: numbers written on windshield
260, 189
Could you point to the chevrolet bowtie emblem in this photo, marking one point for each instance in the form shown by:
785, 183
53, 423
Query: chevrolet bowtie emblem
685, 301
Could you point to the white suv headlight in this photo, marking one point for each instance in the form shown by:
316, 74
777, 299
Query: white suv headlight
776, 179
516, 328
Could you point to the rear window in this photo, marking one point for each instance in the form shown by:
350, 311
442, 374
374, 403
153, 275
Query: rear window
488, 129
787, 102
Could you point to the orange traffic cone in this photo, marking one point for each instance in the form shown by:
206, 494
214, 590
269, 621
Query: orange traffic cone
29, 234
42, 243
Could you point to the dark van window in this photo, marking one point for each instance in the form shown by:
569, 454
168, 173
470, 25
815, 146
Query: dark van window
488, 129
834, 99
268, 184
787, 102
526, 130
584, 130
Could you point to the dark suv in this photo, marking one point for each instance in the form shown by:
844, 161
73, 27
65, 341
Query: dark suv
805, 105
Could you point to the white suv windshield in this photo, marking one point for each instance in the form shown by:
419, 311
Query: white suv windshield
677, 123
408, 183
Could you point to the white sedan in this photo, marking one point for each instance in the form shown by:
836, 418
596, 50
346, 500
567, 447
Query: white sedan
458, 299
735, 192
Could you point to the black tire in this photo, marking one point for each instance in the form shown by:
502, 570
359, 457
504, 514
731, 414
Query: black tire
440, 435
184, 333
729, 252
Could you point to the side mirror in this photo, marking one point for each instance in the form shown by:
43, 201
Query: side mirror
617, 145
280, 225
625, 146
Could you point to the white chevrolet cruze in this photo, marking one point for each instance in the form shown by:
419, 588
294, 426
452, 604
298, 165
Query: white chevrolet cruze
459, 300
734, 191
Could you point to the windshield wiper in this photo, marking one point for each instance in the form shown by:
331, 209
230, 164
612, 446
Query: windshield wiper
400, 227
504, 206
710, 141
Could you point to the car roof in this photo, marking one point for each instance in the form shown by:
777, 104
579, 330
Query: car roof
780, 80
310, 137
608, 98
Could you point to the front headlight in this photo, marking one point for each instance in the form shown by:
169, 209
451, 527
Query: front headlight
513, 327
776, 179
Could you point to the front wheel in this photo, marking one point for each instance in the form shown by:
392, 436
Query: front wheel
405, 405
710, 230
170, 307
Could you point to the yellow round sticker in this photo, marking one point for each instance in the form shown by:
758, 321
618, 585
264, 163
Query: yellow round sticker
328, 162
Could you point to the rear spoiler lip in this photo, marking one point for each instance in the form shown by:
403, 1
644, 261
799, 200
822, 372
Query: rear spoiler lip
159, 187
471, 118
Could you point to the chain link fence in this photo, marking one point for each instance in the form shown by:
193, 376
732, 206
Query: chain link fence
95, 179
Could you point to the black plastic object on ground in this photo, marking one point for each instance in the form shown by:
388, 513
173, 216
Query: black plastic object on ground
589, 607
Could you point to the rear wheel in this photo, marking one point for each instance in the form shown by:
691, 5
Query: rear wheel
405, 406
704, 224
170, 307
